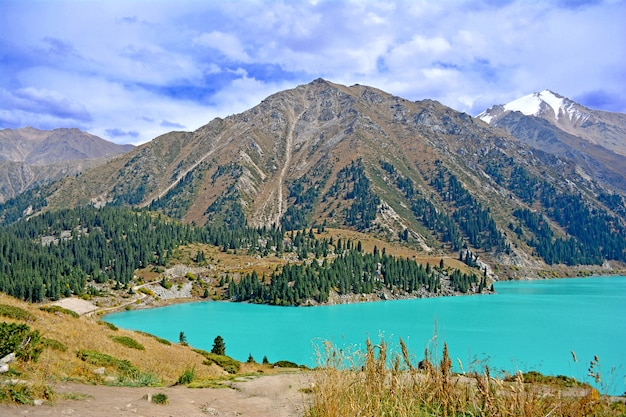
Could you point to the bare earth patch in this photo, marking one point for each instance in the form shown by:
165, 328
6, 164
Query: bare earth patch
77, 305
267, 396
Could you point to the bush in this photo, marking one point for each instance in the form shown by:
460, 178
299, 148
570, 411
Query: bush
166, 283
286, 364
16, 313
18, 338
158, 339
17, 393
229, 364
59, 309
111, 326
53, 344
146, 291
160, 398
102, 359
188, 375
128, 342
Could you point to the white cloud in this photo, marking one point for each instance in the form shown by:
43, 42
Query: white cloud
107, 65
226, 43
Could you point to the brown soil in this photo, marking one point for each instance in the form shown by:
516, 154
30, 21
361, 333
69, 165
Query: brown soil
267, 396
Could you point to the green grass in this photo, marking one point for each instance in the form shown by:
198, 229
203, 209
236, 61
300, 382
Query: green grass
158, 339
111, 326
16, 313
187, 377
229, 364
128, 374
53, 344
128, 342
102, 359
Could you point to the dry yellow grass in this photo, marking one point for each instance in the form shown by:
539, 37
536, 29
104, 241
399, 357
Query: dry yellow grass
166, 362
364, 384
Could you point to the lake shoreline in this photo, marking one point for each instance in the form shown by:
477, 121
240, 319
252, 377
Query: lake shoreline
148, 302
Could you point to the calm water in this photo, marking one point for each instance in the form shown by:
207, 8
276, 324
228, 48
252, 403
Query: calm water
526, 326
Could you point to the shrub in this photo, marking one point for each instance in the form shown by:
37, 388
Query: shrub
158, 339
160, 398
111, 326
166, 283
128, 342
146, 291
59, 309
17, 393
229, 364
188, 375
286, 364
16, 313
18, 338
102, 359
53, 344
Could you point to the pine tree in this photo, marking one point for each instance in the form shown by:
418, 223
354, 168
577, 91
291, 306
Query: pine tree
219, 347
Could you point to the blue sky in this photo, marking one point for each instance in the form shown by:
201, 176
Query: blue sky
130, 70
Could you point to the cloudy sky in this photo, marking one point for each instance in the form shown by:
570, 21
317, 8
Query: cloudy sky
130, 70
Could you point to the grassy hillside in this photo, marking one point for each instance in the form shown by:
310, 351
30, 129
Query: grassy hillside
77, 348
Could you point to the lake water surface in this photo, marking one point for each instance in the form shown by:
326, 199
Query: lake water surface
528, 325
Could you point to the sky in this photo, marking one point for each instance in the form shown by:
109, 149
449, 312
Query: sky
130, 70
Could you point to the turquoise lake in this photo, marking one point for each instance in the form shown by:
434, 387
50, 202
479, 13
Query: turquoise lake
527, 325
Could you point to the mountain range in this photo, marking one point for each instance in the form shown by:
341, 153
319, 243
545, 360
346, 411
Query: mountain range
29, 156
595, 140
533, 183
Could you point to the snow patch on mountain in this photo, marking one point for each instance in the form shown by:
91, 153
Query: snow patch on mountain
538, 104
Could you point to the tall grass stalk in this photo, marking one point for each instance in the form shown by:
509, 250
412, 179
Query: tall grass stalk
378, 382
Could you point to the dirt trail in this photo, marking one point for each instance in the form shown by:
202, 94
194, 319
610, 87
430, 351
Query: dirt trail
267, 396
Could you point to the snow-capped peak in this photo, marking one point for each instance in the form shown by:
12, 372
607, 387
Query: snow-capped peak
531, 105
538, 104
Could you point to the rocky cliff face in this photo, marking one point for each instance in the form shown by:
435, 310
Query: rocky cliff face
360, 158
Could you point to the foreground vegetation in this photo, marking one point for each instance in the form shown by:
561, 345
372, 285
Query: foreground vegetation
51, 347
350, 384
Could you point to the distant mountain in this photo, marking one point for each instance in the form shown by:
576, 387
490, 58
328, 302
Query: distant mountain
598, 127
595, 140
30, 156
419, 173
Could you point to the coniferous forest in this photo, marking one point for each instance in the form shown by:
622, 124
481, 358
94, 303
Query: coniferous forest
58, 254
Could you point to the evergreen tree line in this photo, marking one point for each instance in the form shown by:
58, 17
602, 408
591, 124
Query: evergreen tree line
351, 272
424, 211
595, 234
353, 184
555, 250
303, 193
55, 254
469, 215
475, 220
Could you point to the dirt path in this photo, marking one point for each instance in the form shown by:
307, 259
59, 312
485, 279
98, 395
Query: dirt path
267, 396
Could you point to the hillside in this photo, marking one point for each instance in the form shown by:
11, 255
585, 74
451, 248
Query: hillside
30, 156
594, 140
89, 367
356, 157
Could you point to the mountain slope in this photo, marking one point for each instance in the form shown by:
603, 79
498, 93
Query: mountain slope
598, 127
356, 157
30, 156
592, 139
